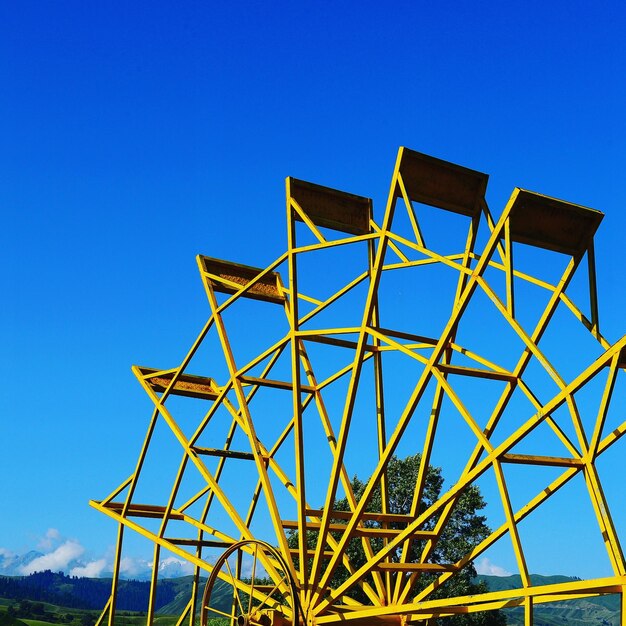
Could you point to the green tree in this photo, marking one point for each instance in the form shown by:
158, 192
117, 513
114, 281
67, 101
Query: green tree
464, 529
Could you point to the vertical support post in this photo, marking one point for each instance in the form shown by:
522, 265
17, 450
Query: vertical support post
116, 574
193, 602
417, 231
622, 620
120, 532
508, 256
297, 401
593, 289
154, 580
380, 408
528, 611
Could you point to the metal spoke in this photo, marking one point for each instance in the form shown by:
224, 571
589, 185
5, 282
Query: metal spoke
235, 588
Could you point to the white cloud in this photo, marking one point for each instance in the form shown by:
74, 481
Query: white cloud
57, 560
486, 567
93, 569
69, 556
51, 537
7, 559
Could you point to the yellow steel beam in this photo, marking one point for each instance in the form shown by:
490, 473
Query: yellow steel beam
604, 407
318, 582
407, 413
529, 459
517, 371
508, 250
458, 190
470, 476
480, 602
511, 523
345, 480
292, 314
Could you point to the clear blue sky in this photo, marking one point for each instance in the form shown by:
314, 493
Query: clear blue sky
136, 135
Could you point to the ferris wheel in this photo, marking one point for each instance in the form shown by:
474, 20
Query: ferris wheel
363, 343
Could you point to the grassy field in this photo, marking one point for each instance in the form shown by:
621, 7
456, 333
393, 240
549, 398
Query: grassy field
54, 615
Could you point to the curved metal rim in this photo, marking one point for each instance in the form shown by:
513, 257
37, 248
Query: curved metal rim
296, 609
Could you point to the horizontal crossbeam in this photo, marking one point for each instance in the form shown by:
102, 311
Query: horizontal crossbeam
360, 531
229, 454
142, 510
187, 385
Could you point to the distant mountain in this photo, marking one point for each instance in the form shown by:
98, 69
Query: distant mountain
600, 611
11, 564
221, 596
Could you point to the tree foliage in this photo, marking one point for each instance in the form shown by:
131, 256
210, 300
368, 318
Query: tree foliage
464, 529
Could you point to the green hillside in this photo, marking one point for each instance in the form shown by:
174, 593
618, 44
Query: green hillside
24, 606
221, 597
21, 611
87, 593
600, 611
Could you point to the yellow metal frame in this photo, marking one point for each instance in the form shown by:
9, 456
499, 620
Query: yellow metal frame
327, 219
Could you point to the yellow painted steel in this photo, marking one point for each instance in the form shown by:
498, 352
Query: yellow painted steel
302, 464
